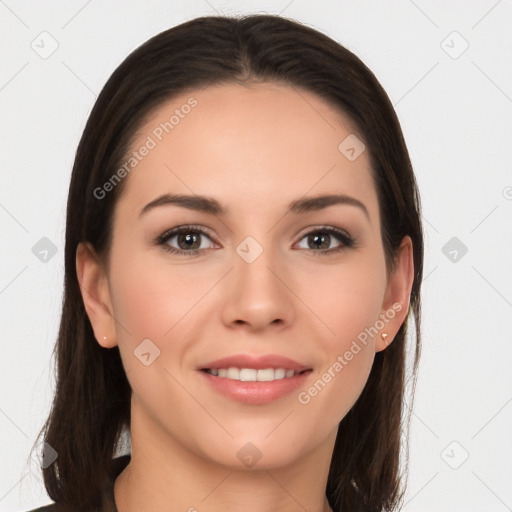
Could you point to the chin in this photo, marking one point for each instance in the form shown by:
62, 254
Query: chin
254, 452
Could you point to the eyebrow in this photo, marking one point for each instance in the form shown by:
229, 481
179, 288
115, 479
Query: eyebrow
212, 206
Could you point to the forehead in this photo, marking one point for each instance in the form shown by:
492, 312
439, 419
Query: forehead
245, 144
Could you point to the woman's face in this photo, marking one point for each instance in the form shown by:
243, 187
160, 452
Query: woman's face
261, 269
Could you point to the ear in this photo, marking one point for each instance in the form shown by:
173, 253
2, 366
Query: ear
94, 288
397, 296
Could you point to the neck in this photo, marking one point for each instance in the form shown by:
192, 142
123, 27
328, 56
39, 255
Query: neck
163, 472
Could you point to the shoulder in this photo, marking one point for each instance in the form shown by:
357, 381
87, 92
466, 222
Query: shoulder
108, 501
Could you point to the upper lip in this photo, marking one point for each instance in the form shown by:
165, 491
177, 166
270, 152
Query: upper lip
256, 362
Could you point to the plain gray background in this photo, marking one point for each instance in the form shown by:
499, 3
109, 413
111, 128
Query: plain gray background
446, 67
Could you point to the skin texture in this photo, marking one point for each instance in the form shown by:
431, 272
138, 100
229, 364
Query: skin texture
254, 149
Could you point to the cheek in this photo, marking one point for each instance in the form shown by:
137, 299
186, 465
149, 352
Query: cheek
152, 301
349, 351
338, 385
150, 298
346, 298
348, 302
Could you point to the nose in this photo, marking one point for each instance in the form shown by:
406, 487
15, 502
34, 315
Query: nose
256, 297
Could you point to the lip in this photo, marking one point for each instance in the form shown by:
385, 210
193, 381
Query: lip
256, 362
255, 393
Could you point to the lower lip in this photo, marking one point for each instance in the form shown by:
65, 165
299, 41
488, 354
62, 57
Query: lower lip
255, 393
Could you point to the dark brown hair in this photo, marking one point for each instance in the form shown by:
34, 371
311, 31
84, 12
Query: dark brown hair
91, 405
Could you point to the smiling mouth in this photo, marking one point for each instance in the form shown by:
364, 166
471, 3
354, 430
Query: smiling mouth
253, 374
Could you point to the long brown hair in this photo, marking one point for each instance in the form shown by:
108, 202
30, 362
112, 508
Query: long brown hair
91, 406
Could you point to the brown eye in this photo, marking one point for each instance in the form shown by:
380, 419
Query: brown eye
189, 240
326, 240
185, 240
319, 241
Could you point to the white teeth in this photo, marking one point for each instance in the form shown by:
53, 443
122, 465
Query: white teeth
279, 373
233, 373
265, 375
252, 375
248, 374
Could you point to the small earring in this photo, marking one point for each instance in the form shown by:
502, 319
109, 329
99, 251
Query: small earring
384, 336
105, 338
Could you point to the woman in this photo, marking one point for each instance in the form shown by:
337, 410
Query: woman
243, 252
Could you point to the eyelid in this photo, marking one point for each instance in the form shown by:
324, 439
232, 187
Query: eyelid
185, 227
322, 228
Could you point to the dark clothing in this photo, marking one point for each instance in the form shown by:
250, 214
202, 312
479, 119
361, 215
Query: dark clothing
108, 503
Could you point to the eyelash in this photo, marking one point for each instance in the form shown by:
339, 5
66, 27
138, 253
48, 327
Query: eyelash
346, 240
